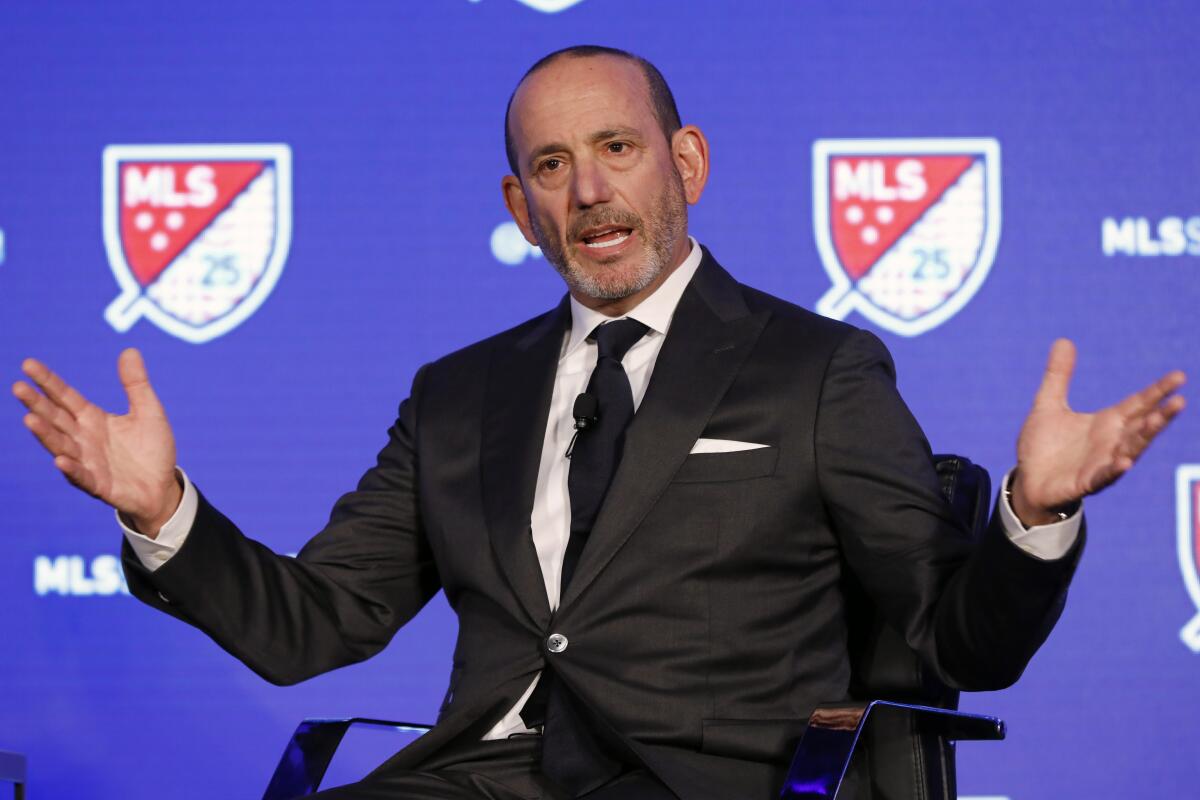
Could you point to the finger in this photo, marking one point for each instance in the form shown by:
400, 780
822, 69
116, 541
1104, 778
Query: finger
41, 405
75, 473
1171, 407
1056, 381
1153, 394
132, 370
1153, 423
55, 387
51, 438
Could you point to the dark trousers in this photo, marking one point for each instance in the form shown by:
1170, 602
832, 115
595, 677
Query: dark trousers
501, 770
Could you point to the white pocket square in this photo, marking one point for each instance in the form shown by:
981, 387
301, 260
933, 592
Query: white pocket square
723, 446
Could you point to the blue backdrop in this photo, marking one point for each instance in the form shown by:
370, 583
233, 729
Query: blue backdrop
391, 113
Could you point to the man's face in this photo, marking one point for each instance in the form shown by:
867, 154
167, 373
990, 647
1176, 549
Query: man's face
602, 194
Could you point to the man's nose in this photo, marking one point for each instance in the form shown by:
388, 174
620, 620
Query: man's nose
590, 184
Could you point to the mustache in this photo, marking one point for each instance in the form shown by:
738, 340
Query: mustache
593, 218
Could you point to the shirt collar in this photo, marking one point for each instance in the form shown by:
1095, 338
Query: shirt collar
655, 312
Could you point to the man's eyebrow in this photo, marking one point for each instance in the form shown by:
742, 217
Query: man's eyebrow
615, 133
595, 138
545, 150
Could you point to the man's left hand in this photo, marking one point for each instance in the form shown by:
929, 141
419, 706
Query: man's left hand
1064, 455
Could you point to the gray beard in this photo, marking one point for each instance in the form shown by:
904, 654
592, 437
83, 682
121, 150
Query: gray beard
669, 217
610, 287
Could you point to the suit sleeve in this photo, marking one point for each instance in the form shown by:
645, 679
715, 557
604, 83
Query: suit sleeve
975, 612
339, 601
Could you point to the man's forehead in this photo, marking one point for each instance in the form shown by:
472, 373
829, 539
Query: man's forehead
570, 88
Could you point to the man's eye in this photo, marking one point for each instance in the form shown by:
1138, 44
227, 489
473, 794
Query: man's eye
617, 147
551, 164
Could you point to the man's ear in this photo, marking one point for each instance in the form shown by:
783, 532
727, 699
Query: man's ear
514, 201
689, 151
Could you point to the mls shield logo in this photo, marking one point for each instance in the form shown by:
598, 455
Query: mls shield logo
1187, 514
907, 228
196, 235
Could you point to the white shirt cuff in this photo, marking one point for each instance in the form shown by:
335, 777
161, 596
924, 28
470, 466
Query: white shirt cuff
1046, 542
153, 553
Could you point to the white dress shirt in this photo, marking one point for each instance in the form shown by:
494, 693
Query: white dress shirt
551, 516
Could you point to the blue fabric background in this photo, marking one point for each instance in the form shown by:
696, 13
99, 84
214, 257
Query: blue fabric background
393, 112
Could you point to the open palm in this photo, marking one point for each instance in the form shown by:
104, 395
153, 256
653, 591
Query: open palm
127, 460
1064, 455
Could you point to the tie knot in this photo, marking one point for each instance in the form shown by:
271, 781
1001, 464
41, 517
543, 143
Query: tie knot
613, 339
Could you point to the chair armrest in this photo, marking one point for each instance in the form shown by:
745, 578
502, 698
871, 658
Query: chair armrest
307, 755
824, 752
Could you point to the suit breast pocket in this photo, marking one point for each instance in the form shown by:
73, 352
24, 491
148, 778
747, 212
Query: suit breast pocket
738, 465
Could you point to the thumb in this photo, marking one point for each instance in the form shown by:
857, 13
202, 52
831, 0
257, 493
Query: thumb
132, 371
1057, 379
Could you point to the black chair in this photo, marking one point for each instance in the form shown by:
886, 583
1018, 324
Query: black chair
893, 741
902, 729
12, 770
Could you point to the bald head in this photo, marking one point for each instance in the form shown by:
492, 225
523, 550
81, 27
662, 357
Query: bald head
658, 93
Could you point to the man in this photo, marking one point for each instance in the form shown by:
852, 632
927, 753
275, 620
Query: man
665, 606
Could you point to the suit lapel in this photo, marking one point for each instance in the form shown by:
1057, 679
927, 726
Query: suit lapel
520, 383
710, 337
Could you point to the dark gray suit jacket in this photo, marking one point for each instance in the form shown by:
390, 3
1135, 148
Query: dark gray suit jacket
706, 617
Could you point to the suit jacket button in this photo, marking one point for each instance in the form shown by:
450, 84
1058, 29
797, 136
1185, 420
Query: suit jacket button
556, 643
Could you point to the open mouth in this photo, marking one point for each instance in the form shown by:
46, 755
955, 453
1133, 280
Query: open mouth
608, 236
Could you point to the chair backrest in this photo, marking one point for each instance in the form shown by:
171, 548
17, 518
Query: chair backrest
898, 762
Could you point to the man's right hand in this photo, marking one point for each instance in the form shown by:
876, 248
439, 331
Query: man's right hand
127, 461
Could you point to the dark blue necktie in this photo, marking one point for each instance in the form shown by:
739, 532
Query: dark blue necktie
572, 753
597, 451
